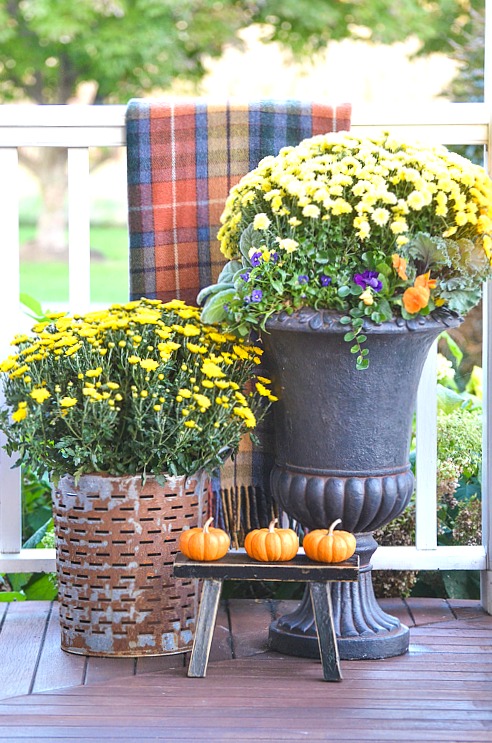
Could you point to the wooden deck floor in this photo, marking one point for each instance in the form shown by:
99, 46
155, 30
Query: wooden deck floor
440, 691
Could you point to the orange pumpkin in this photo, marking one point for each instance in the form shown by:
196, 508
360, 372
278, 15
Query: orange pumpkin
271, 545
204, 544
327, 545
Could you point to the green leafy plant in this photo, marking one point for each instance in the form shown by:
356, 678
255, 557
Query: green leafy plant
36, 502
32, 586
459, 519
141, 388
373, 228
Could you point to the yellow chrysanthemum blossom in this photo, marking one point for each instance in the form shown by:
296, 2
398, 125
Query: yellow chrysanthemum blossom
40, 394
68, 402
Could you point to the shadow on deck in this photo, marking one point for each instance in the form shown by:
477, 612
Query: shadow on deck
440, 691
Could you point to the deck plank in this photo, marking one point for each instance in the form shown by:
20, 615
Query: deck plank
21, 640
250, 619
105, 669
397, 608
425, 612
57, 668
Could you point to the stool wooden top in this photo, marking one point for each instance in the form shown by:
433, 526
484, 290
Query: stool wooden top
237, 565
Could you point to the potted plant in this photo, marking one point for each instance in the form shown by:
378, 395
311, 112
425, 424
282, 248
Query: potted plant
128, 408
350, 255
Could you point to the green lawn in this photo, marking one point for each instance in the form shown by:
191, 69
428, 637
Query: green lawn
48, 281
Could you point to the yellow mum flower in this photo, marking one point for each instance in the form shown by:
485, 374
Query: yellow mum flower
68, 402
8, 364
194, 348
245, 413
416, 200
380, 216
312, 211
217, 337
174, 304
188, 313
149, 364
240, 352
21, 413
94, 372
210, 369
40, 394
188, 330
202, 400
294, 222
288, 244
265, 392
261, 221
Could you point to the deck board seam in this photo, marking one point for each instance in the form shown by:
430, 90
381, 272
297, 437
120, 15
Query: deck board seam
40, 650
407, 606
230, 639
84, 672
2, 620
451, 609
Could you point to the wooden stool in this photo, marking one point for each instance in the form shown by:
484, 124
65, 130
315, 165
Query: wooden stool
238, 566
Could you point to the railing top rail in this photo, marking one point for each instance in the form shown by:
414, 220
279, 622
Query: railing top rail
86, 126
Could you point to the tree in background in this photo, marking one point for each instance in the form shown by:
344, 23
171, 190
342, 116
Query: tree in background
125, 48
470, 54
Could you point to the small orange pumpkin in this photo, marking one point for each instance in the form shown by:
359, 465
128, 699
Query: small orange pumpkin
327, 545
204, 544
271, 545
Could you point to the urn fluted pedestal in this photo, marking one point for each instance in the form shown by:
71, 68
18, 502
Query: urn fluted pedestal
342, 440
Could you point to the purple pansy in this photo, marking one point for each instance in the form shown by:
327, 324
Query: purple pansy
302, 279
245, 276
255, 259
325, 280
368, 279
256, 295
274, 257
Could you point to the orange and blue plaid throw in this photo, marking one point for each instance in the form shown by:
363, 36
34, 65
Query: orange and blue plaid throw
183, 158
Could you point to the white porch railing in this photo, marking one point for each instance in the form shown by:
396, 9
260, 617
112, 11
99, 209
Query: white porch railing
80, 128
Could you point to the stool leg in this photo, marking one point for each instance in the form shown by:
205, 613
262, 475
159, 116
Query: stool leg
327, 639
207, 614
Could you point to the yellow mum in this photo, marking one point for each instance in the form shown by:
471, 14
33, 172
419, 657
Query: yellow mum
68, 402
21, 412
40, 394
210, 369
149, 364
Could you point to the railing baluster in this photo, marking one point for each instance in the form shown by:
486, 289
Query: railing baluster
10, 497
426, 467
79, 265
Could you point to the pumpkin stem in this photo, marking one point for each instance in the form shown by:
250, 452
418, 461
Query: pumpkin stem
207, 524
330, 529
271, 525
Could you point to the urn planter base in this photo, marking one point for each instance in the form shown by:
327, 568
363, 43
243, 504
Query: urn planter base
363, 629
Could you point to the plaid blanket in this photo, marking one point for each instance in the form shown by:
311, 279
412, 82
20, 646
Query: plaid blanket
183, 158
